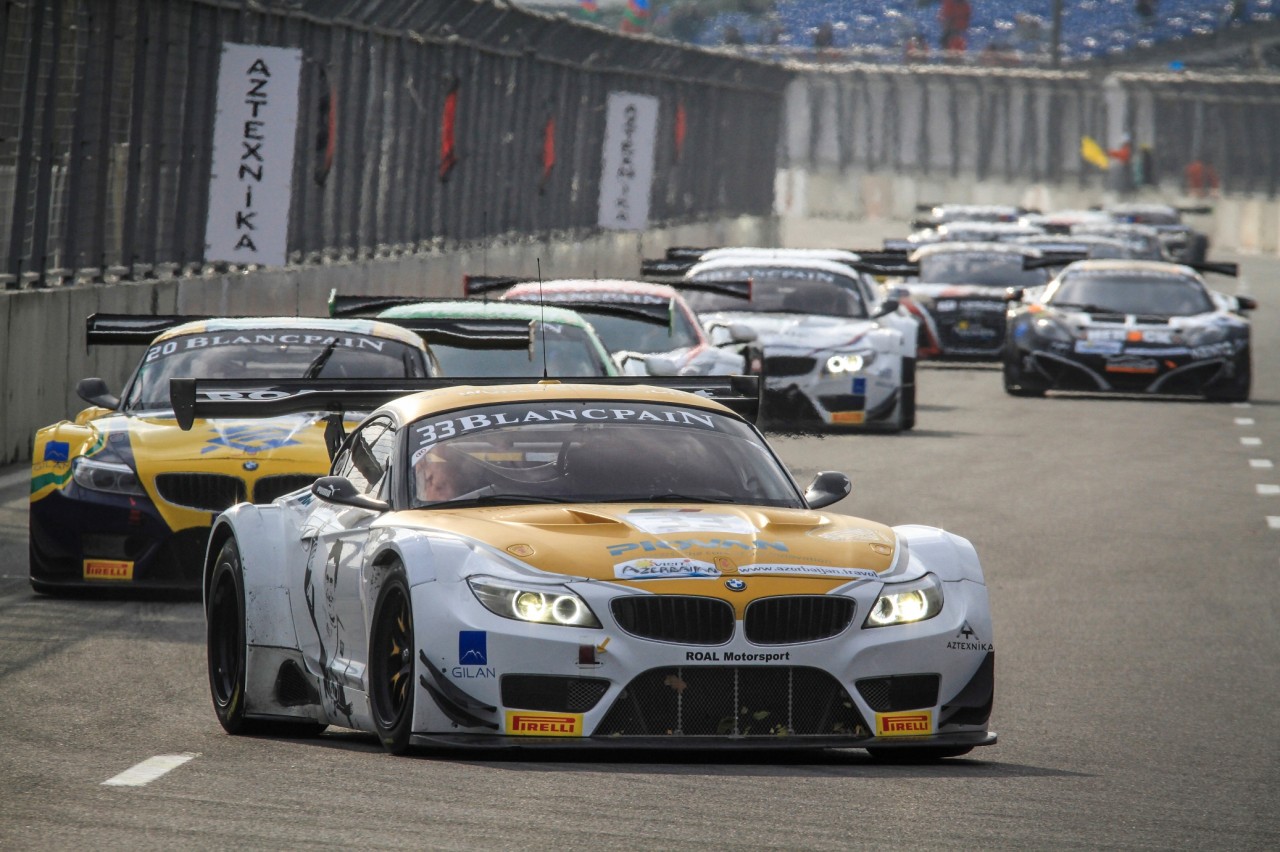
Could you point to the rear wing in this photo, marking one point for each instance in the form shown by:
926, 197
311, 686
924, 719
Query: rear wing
1231, 270
658, 312
886, 261
1049, 259
470, 333
368, 306
132, 329
205, 398
482, 285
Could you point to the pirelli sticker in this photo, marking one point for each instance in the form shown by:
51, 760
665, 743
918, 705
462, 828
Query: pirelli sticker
107, 569
911, 723
527, 723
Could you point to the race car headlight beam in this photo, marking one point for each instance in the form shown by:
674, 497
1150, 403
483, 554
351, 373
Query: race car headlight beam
906, 603
849, 362
539, 605
110, 477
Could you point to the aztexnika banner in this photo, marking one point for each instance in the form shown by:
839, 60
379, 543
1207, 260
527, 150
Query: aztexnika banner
630, 132
253, 148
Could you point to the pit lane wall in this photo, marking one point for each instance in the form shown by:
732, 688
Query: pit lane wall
43, 353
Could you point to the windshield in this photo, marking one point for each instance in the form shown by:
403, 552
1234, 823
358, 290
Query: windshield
630, 334
267, 354
591, 452
988, 269
570, 353
1132, 293
782, 290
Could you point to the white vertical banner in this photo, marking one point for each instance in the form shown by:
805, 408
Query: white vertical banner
250, 184
631, 130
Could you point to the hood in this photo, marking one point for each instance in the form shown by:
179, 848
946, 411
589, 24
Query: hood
157, 441
797, 330
652, 546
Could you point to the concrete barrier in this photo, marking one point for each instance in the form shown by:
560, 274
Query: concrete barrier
43, 353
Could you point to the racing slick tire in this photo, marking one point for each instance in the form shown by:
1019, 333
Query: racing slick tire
1016, 385
908, 403
391, 663
226, 650
925, 754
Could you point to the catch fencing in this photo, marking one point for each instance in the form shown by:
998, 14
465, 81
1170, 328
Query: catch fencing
1026, 126
421, 126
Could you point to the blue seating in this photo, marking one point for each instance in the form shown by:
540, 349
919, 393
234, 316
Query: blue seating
879, 28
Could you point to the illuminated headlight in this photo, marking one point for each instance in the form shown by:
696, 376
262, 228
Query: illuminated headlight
1206, 335
1052, 329
849, 362
906, 603
111, 477
540, 605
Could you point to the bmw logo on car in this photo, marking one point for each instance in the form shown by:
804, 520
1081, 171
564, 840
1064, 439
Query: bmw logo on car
735, 585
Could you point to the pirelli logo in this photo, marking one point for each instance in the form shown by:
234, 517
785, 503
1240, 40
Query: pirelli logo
106, 569
524, 723
912, 723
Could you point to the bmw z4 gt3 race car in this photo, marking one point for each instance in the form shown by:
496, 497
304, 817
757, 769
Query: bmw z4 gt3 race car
603, 563
122, 498
1130, 326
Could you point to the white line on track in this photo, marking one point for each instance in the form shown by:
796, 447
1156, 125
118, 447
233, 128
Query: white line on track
1261, 464
1244, 421
1251, 442
149, 770
1268, 489
1242, 405
1273, 521
15, 479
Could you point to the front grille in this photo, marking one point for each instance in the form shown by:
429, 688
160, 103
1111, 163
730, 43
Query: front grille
900, 692
675, 618
788, 365
733, 701
553, 694
269, 488
798, 618
211, 492
843, 402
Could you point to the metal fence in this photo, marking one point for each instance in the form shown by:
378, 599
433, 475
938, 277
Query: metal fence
1027, 125
107, 110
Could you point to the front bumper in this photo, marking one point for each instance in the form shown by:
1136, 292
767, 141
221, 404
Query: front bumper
815, 399
1174, 371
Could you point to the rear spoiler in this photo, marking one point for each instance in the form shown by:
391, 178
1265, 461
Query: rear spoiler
1196, 210
655, 313
205, 398
469, 333
367, 306
132, 329
1216, 267
481, 285
887, 261
1050, 259
666, 268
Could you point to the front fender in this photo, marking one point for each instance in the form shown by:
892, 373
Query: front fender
948, 555
264, 539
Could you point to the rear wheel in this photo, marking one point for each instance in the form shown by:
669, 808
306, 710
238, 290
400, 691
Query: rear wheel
391, 664
908, 393
226, 651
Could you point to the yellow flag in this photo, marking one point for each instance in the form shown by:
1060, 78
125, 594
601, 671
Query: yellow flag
1093, 153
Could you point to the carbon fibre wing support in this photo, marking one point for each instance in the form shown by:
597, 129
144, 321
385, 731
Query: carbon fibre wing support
204, 398
132, 329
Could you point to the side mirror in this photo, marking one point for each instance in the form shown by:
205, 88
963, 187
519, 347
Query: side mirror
888, 306
829, 486
342, 492
899, 292
1246, 303
1014, 294
95, 391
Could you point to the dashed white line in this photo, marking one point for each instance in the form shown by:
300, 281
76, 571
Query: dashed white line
1251, 442
1244, 421
1268, 489
1261, 464
149, 770
15, 479
1273, 521
1242, 405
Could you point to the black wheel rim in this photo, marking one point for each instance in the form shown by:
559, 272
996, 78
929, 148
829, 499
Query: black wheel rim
392, 648
224, 641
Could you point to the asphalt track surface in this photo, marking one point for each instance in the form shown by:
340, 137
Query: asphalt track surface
1132, 552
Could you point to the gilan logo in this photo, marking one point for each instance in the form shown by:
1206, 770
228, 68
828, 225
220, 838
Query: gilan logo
910, 724
105, 569
526, 724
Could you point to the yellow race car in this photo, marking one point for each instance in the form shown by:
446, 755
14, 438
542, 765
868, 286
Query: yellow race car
122, 498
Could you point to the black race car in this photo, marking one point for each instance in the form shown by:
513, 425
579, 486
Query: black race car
1129, 326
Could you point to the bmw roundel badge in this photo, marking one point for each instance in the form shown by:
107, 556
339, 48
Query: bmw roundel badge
735, 585
251, 465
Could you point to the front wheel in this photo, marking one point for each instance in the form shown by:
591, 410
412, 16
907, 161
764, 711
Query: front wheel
226, 653
391, 664
908, 393
1016, 385
1236, 390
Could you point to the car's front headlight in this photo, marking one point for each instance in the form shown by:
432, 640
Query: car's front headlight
1051, 329
1205, 335
906, 603
537, 604
108, 473
850, 362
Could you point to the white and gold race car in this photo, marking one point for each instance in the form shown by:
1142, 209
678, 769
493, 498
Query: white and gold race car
603, 563
123, 499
